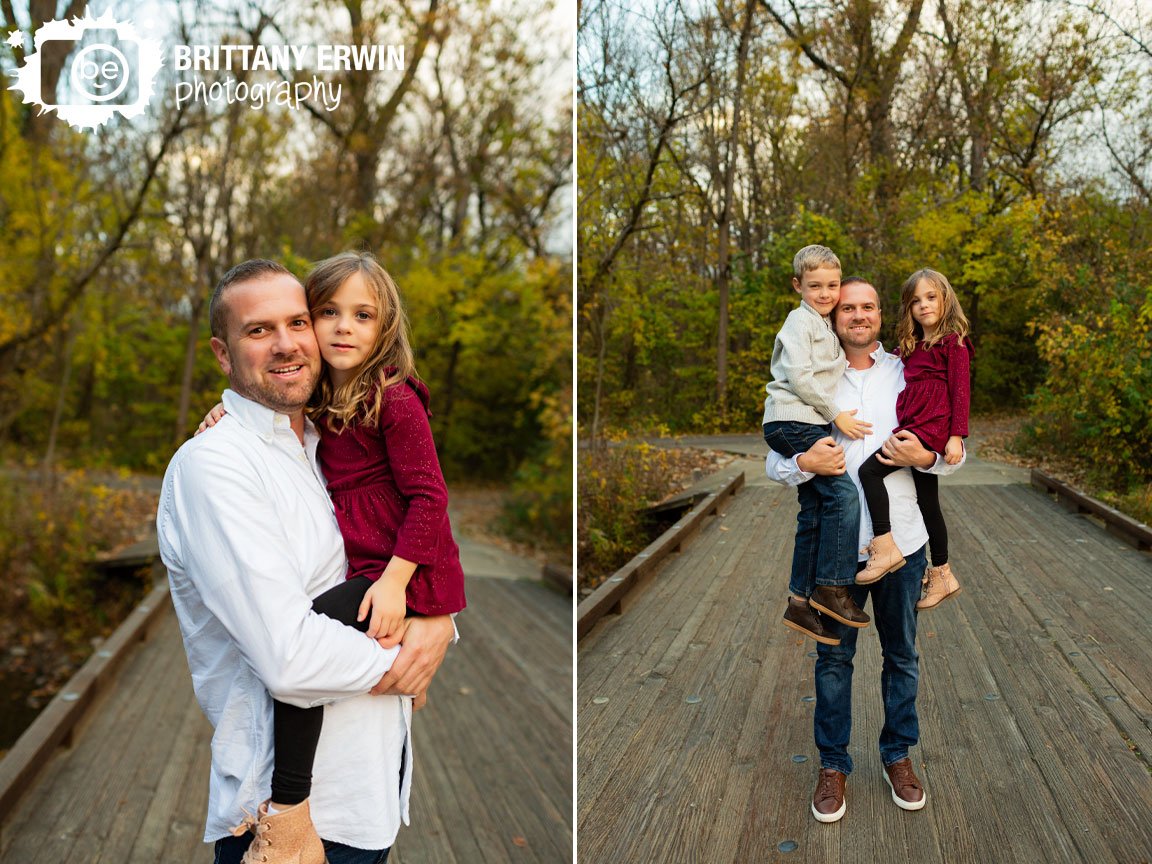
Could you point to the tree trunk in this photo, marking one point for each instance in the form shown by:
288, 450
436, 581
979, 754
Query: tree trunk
724, 266
48, 476
191, 345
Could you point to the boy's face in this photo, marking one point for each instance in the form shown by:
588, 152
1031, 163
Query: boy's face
819, 288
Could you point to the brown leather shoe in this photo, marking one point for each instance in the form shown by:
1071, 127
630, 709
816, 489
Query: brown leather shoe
828, 803
803, 618
906, 789
835, 602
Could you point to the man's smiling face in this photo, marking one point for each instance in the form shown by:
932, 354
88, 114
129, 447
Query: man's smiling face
270, 354
857, 315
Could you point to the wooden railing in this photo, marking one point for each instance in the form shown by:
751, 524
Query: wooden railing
608, 598
56, 724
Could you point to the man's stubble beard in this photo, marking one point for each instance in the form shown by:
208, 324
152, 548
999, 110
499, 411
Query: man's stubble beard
284, 400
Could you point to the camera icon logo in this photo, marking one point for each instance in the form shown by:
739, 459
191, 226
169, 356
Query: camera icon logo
110, 69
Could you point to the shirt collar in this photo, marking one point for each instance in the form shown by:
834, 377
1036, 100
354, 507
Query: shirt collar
879, 357
260, 418
804, 304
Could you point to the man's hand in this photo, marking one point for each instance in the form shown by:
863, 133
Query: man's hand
421, 653
825, 457
904, 450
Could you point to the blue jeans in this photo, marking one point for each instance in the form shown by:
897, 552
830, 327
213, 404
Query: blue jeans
231, 849
828, 526
894, 614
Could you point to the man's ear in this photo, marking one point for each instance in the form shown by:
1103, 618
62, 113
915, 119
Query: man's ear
220, 349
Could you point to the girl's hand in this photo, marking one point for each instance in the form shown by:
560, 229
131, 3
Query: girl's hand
211, 418
954, 450
850, 427
385, 601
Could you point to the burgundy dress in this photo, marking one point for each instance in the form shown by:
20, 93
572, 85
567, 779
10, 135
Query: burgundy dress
390, 499
934, 401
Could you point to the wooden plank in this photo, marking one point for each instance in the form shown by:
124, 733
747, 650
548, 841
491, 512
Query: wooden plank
494, 759
1044, 769
493, 752
1119, 524
51, 822
55, 724
677, 604
152, 839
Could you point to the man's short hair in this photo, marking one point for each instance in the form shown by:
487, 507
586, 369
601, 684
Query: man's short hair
813, 258
856, 280
256, 268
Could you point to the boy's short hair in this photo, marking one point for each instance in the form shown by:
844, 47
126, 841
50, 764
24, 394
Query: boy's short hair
813, 258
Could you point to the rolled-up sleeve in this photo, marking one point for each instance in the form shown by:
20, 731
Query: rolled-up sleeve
785, 470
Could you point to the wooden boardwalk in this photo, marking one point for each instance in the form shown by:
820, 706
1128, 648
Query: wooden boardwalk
695, 705
493, 752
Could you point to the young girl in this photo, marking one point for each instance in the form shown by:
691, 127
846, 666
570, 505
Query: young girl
933, 342
378, 458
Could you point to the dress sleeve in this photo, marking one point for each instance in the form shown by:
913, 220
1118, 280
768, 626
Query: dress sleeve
959, 384
411, 452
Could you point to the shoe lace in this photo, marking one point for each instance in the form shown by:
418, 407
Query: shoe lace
827, 786
248, 823
903, 777
259, 827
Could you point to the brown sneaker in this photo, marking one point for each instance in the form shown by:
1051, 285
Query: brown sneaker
883, 558
906, 789
939, 584
803, 618
828, 803
835, 602
287, 837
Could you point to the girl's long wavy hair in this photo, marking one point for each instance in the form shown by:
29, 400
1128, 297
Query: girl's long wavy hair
389, 361
952, 318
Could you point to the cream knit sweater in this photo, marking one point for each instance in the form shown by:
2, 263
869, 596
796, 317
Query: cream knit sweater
807, 364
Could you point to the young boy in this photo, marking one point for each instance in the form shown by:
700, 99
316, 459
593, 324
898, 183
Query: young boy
800, 409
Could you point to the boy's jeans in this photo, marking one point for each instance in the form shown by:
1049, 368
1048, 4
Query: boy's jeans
894, 615
828, 527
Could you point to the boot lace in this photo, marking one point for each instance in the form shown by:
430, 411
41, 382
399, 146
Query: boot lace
259, 827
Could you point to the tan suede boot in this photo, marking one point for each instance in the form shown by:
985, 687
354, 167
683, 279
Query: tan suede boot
884, 557
287, 837
940, 584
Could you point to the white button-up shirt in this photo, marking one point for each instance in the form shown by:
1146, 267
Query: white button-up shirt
872, 392
248, 533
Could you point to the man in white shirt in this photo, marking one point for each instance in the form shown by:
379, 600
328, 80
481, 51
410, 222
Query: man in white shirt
870, 385
249, 535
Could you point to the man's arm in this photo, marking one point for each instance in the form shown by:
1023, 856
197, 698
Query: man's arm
904, 450
233, 548
825, 457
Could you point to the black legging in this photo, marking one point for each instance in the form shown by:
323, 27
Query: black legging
296, 731
872, 474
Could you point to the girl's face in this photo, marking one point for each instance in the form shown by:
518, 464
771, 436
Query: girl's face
346, 328
927, 306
